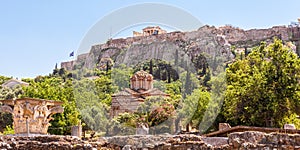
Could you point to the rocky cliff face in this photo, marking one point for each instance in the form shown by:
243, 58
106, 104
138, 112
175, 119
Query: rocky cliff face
211, 42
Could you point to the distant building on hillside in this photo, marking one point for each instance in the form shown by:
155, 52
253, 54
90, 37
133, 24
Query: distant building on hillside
14, 82
294, 34
128, 100
149, 31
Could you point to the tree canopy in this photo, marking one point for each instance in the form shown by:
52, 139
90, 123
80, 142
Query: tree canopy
263, 88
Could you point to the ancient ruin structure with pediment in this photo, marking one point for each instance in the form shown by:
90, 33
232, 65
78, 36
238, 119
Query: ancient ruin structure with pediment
149, 31
128, 100
31, 116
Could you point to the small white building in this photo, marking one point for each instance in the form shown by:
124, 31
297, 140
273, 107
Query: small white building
14, 82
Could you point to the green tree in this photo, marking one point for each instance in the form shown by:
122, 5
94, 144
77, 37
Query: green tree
91, 102
263, 88
3, 79
161, 70
8, 130
96, 117
121, 76
11, 93
151, 67
55, 88
189, 83
161, 85
194, 106
104, 89
55, 70
212, 115
156, 111
174, 89
8, 93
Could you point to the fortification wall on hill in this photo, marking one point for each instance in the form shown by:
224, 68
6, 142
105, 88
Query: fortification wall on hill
207, 39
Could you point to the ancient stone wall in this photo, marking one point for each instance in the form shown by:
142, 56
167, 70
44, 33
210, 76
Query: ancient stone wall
242, 141
49, 142
207, 39
68, 65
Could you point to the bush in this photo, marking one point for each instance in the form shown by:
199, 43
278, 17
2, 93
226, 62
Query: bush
8, 130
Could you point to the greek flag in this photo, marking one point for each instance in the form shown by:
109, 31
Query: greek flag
71, 54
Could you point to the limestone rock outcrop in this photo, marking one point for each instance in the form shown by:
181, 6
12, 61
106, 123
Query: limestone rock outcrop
209, 41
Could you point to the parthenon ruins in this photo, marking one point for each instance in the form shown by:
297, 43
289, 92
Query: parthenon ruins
149, 31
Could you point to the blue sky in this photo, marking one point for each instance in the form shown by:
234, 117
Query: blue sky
35, 35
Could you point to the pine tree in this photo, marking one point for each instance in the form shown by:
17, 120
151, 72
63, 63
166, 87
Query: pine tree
151, 67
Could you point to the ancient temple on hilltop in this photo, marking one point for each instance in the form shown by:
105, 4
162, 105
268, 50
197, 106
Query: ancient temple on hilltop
149, 31
128, 100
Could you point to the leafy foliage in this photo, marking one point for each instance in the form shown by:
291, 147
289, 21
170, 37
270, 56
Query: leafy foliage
3, 79
121, 76
156, 109
8, 130
8, 93
161, 114
55, 88
161, 70
189, 82
95, 117
194, 107
11, 93
263, 88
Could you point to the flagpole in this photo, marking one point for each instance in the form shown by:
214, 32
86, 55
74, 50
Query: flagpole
72, 54
72, 60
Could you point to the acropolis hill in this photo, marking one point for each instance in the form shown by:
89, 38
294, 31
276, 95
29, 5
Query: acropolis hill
215, 42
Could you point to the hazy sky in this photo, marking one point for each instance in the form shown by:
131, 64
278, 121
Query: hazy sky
35, 35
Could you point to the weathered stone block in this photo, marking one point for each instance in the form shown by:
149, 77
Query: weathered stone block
31, 116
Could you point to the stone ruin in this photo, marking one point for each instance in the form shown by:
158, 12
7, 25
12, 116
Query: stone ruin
151, 30
31, 116
239, 140
142, 129
224, 126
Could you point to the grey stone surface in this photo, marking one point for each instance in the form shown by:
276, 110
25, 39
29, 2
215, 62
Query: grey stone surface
239, 140
207, 40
